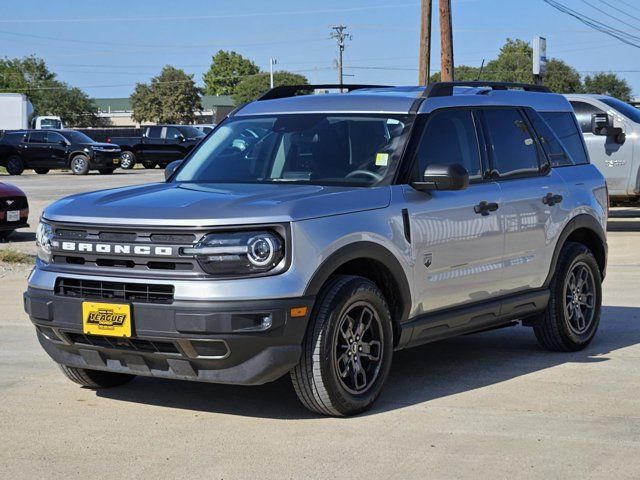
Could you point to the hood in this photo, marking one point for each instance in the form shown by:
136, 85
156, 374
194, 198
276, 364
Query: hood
182, 204
99, 144
7, 190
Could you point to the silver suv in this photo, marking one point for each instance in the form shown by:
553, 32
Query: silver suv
314, 235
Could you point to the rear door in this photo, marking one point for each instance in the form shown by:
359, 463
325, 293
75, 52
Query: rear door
35, 151
611, 158
457, 247
532, 195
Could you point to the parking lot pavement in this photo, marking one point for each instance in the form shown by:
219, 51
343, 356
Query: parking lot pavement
43, 190
491, 405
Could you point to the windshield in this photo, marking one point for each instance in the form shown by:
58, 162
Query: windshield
333, 149
50, 123
191, 132
629, 111
77, 137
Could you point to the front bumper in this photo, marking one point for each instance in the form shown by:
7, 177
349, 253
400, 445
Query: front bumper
218, 342
105, 159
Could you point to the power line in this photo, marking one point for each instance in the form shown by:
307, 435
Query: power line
621, 11
611, 16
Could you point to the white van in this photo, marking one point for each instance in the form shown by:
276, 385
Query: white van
611, 130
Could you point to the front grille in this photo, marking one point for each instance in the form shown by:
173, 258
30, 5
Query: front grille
99, 290
13, 203
131, 344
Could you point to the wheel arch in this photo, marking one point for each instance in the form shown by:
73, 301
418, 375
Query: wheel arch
376, 263
586, 230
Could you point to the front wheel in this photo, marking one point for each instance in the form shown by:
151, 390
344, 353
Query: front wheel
15, 165
41, 171
149, 165
572, 316
127, 160
80, 165
95, 379
347, 351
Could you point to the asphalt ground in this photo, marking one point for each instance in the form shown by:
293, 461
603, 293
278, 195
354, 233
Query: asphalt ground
490, 405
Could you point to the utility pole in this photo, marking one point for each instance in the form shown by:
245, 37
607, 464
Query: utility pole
425, 42
340, 34
446, 41
272, 62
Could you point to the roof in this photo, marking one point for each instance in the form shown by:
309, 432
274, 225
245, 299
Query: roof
209, 102
399, 100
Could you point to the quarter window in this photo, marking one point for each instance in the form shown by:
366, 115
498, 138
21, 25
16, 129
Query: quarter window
584, 112
449, 138
511, 144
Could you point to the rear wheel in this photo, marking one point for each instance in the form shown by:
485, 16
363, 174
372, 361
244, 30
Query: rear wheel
95, 378
106, 171
347, 351
127, 160
80, 165
15, 165
572, 316
41, 171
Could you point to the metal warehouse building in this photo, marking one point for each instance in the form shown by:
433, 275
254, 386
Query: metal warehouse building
118, 111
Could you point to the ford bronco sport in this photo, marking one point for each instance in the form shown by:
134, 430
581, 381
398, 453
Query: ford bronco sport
314, 235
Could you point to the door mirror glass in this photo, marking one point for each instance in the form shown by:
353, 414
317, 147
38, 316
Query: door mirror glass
169, 169
443, 177
600, 122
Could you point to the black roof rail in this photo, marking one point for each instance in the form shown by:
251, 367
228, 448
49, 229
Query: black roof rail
284, 91
445, 89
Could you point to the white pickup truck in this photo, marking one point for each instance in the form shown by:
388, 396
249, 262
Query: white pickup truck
611, 130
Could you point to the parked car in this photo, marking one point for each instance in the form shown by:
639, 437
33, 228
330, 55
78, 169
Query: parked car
159, 145
43, 150
346, 227
14, 210
611, 130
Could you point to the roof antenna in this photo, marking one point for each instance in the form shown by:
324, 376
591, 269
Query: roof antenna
480, 72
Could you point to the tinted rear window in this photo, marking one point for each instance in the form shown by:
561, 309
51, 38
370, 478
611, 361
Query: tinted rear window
564, 127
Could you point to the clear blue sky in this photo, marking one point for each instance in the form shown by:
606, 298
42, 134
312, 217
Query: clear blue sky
106, 47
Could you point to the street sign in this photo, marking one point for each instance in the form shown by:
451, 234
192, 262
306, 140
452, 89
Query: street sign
539, 56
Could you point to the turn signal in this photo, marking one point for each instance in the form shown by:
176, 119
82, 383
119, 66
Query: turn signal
298, 312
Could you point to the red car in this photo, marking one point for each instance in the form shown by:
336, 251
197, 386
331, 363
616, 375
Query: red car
14, 209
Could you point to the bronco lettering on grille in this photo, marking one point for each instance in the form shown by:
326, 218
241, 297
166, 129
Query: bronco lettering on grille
114, 248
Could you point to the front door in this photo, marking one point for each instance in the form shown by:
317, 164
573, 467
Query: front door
614, 160
57, 149
457, 245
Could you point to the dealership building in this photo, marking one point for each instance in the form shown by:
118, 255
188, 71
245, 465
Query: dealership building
117, 111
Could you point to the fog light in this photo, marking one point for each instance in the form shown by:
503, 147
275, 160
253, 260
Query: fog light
267, 322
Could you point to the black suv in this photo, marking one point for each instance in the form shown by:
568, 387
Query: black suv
43, 150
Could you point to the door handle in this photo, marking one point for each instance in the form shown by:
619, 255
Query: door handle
483, 208
551, 199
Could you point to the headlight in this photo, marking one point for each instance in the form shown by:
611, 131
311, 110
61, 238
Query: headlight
44, 235
238, 253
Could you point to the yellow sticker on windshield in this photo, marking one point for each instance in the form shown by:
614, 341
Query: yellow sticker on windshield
382, 159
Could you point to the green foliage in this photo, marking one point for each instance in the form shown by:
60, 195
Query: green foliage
608, 84
171, 97
227, 70
9, 255
562, 78
252, 87
49, 96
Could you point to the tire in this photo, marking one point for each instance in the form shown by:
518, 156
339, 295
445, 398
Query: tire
41, 171
127, 160
5, 234
79, 165
149, 165
571, 320
95, 379
106, 171
332, 345
15, 165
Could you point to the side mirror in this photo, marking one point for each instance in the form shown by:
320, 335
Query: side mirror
63, 143
602, 125
443, 177
181, 138
172, 167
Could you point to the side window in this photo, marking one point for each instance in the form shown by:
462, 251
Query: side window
584, 111
511, 144
154, 132
37, 137
54, 138
564, 126
450, 137
173, 133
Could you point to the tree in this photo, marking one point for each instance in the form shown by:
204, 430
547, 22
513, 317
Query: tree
171, 97
49, 96
562, 78
608, 84
227, 70
252, 87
